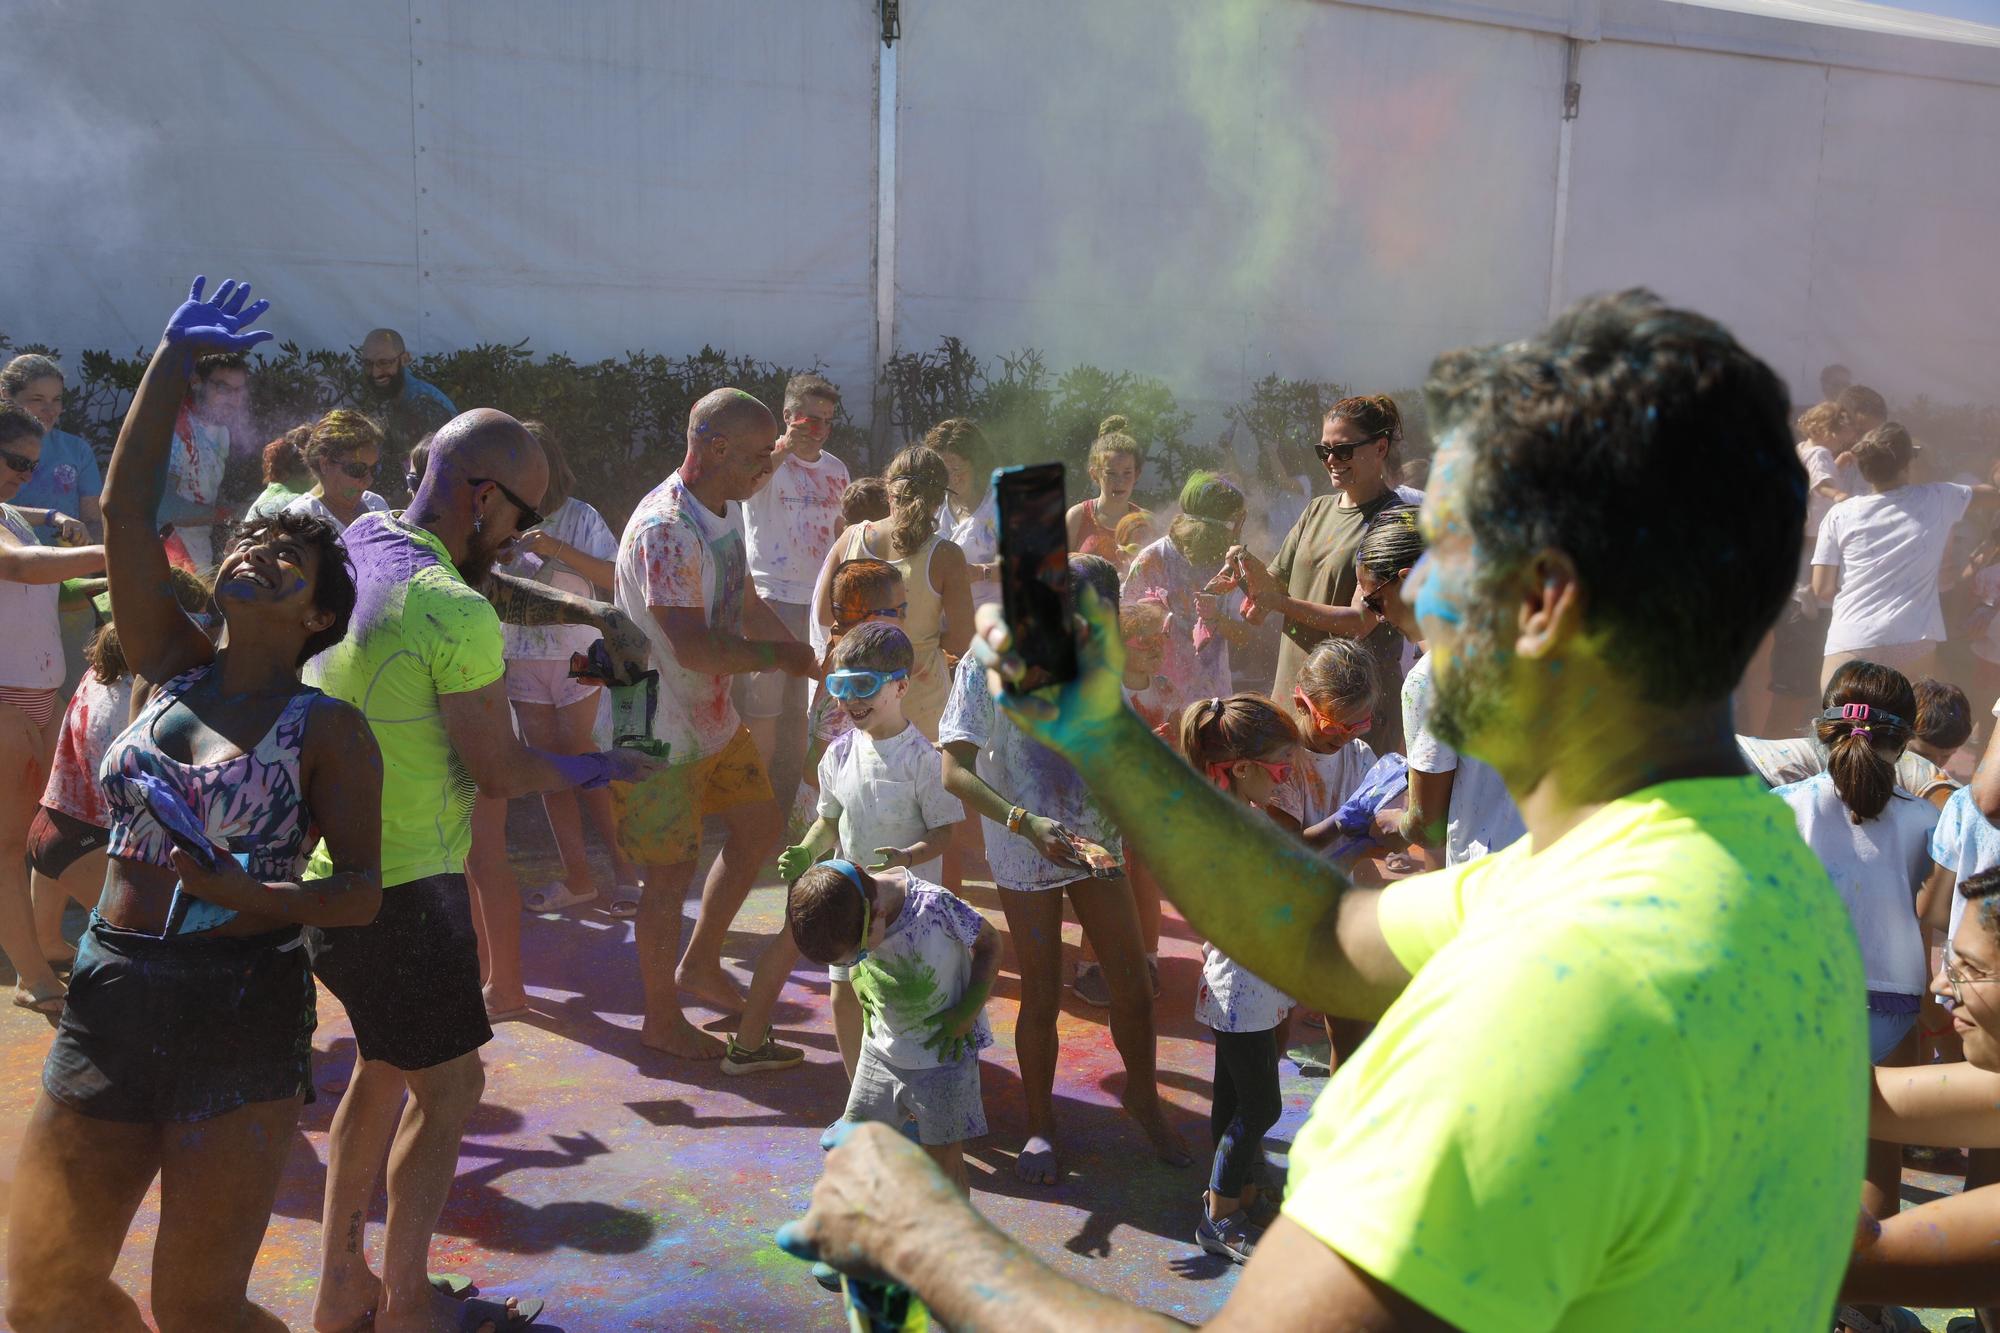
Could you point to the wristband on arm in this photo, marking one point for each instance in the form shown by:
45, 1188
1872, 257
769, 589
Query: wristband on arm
1015, 818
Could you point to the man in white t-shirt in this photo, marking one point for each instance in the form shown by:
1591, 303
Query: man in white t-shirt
789, 524
683, 576
1478, 814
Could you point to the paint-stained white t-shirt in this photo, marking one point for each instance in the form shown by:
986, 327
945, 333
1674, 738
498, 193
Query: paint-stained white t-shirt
1483, 817
789, 526
885, 794
1888, 549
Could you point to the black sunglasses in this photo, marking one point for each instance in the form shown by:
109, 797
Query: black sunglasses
530, 515
358, 471
21, 463
1373, 600
1344, 453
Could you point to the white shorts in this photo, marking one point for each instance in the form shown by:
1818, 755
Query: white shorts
944, 1101
545, 681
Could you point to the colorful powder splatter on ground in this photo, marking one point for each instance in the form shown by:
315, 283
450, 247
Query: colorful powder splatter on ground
632, 1191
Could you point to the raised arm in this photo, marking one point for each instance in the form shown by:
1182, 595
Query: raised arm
159, 640
1262, 897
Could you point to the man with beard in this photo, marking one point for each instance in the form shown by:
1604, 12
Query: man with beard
424, 661
405, 407
683, 575
1613, 1082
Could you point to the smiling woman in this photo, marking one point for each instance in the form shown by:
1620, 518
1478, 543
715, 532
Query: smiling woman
184, 1048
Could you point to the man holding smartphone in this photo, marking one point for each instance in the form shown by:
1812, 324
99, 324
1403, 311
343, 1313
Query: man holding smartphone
1613, 1079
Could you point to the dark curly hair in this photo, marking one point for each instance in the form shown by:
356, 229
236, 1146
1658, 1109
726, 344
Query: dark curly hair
333, 589
1578, 440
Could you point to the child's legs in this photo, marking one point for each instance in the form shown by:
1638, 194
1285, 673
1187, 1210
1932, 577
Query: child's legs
1145, 897
950, 1159
1251, 1059
541, 727
1034, 925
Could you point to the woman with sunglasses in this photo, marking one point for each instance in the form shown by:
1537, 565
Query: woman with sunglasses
1458, 809
31, 676
342, 454
1310, 585
1244, 745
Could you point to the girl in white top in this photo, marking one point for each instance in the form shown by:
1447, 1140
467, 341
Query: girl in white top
572, 550
969, 516
1878, 555
1874, 839
342, 454
1333, 703
31, 671
1244, 745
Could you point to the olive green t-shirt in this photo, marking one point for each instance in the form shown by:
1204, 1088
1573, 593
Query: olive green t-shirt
1316, 564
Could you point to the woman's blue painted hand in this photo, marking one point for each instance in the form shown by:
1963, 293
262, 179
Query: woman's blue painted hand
217, 325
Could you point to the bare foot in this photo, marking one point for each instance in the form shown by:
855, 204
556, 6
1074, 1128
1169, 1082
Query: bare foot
48, 1005
1167, 1143
678, 1037
504, 1006
1036, 1162
711, 985
344, 1305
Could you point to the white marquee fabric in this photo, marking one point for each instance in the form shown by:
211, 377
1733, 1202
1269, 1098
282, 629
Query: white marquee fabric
1206, 192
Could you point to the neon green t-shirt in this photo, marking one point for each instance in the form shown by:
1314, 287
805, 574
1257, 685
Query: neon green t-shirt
1625, 1088
418, 631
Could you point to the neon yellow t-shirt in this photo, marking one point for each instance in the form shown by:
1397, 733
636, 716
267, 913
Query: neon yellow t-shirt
1625, 1088
418, 631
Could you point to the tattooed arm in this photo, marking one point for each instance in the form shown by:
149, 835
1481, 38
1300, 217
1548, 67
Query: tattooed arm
523, 602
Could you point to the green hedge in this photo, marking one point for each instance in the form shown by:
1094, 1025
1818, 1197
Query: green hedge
623, 420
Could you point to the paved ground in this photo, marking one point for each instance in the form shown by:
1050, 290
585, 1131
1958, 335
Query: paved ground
636, 1192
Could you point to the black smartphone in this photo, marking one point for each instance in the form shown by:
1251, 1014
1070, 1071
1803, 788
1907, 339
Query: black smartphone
1034, 572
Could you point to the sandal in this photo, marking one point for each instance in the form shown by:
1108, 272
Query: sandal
48, 1006
455, 1285
625, 900
554, 897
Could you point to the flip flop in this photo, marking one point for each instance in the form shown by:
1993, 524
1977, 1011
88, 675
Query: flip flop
625, 900
503, 1016
48, 1006
474, 1312
554, 898
455, 1285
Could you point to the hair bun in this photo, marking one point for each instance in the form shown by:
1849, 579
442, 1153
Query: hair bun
1115, 424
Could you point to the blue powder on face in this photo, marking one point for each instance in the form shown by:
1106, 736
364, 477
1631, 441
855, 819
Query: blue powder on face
1431, 604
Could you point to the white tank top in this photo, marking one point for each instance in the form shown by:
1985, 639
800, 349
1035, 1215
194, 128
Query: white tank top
31, 652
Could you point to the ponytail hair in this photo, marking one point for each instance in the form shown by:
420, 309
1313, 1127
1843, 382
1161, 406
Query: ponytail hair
1884, 453
1205, 527
1215, 733
918, 483
1113, 438
1372, 414
285, 459
1868, 719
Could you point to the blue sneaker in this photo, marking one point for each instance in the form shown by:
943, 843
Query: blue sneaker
1231, 1238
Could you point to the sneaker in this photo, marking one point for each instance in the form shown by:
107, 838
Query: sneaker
1090, 986
771, 1055
1230, 1238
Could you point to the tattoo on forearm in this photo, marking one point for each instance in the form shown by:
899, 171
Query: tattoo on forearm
520, 602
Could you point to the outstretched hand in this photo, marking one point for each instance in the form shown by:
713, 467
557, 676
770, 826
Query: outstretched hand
1071, 717
217, 325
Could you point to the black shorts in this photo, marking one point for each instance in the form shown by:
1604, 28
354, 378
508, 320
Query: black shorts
1798, 649
167, 1031
57, 841
409, 979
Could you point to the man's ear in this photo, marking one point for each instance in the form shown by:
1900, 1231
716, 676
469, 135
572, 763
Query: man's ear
1551, 607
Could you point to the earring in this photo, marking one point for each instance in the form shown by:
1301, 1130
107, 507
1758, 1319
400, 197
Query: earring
478, 523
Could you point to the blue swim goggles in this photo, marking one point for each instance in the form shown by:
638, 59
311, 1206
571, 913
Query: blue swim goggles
846, 684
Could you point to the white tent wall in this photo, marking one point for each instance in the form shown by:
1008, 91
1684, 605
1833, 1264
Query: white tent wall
1203, 191
602, 177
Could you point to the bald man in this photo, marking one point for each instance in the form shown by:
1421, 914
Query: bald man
424, 661
386, 363
684, 577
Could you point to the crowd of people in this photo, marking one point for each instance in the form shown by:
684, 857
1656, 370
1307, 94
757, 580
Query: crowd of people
1479, 779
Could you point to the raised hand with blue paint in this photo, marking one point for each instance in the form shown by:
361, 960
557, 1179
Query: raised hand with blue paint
217, 325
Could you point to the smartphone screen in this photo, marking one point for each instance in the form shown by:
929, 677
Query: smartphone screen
1034, 571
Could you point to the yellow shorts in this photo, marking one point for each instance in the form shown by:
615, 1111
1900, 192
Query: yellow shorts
659, 820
